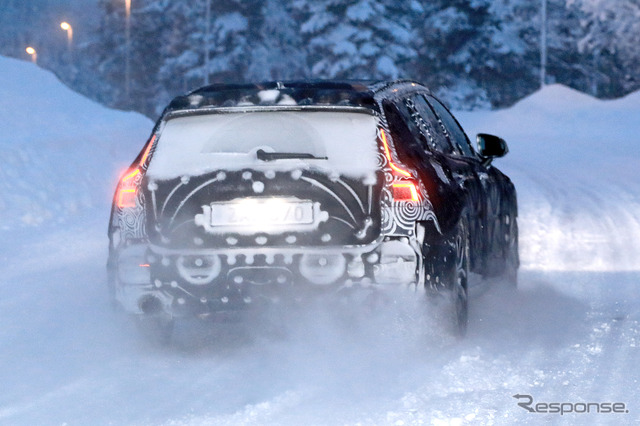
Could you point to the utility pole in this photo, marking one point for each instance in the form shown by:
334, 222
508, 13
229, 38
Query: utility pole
543, 45
127, 61
207, 32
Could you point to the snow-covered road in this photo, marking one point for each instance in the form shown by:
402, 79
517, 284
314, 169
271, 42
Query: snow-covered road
569, 334
66, 357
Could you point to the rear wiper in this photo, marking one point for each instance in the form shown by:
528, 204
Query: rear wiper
270, 156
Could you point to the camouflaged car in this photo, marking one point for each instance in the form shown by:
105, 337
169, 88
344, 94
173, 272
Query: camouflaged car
251, 193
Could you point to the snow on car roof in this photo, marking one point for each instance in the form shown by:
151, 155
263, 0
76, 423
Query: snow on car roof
304, 93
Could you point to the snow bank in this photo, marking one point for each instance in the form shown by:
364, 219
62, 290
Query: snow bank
574, 160
60, 152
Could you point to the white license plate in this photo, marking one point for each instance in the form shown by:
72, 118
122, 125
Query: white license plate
268, 212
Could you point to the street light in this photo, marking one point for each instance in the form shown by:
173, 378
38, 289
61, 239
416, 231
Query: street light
34, 55
69, 29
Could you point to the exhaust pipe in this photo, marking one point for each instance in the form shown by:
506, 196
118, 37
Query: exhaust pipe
150, 305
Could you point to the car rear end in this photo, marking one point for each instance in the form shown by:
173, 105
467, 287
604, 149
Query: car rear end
227, 208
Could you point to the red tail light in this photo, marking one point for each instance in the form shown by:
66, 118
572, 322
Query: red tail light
395, 168
126, 196
405, 191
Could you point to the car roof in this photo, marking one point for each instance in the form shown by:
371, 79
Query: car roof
342, 93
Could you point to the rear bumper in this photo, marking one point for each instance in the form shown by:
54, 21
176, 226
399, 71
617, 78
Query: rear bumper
153, 279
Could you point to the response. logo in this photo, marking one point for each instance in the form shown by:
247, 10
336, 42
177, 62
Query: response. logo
562, 408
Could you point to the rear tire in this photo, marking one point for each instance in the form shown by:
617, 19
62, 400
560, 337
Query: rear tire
448, 296
511, 253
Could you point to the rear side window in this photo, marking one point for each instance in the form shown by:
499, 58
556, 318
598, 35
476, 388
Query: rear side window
404, 132
400, 123
456, 134
433, 134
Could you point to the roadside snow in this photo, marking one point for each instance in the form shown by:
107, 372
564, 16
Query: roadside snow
58, 148
570, 333
575, 161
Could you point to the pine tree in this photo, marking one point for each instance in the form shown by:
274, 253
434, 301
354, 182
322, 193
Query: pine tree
278, 51
513, 32
181, 50
452, 56
33, 23
110, 50
474, 53
609, 44
355, 39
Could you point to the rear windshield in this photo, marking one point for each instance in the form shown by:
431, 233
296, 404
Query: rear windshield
341, 142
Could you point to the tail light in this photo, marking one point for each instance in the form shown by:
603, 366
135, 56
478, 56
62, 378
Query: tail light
128, 187
395, 168
405, 191
126, 196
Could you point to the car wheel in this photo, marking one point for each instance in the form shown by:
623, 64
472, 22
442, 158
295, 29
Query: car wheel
448, 299
511, 254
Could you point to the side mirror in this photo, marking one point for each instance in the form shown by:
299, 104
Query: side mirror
490, 146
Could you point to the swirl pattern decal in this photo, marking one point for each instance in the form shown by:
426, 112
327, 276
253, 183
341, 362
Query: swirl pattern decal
407, 213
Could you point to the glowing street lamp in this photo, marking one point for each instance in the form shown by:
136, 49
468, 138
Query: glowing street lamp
69, 29
34, 55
